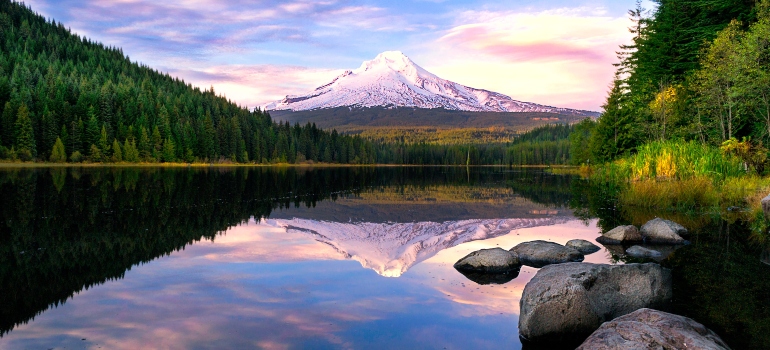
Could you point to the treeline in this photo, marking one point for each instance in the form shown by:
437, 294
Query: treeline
697, 70
66, 98
545, 145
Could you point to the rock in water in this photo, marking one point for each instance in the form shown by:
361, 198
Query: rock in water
651, 329
583, 246
766, 206
567, 302
484, 278
658, 230
642, 252
542, 253
495, 260
620, 234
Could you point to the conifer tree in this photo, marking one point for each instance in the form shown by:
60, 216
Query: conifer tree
92, 132
8, 120
145, 149
168, 151
104, 147
157, 143
76, 136
130, 153
25, 135
117, 153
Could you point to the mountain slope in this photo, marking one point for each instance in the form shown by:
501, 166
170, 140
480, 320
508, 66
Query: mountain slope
392, 79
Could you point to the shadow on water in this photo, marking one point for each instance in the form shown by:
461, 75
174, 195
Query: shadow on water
66, 230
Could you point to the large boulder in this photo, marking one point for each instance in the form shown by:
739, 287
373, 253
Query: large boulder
663, 231
642, 252
542, 253
567, 302
652, 329
620, 235
495, 260
583, 246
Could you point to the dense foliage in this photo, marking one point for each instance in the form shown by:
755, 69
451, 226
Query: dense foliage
56, 87
696, 70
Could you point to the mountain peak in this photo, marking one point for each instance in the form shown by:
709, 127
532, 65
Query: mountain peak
393, 60
392, 79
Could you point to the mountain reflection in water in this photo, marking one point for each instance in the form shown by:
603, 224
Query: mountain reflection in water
272, 257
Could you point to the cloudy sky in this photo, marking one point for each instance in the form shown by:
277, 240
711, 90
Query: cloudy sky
552, 52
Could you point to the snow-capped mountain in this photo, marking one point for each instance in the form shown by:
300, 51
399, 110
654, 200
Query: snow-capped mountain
390, 249
392, 79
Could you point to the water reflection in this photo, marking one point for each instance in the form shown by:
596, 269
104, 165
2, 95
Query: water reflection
272, 258
66, 231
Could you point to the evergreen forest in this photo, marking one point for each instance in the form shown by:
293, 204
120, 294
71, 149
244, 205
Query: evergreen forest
696, 71
65, 98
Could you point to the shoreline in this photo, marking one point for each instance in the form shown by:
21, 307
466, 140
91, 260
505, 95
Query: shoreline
29, 165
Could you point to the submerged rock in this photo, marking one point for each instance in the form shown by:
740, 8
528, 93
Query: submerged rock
495, 260
642, 252
485, 278
542, 253
663, 231
567, 302
621, 234
583, 246
652, 329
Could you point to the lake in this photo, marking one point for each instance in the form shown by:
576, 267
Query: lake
339, 258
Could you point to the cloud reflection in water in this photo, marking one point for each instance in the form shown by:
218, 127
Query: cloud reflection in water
262, 286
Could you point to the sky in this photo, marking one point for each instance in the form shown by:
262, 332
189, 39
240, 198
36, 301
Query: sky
554, 52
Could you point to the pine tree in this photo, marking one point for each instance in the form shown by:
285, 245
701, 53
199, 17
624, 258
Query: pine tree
168, 151
25, 135
117, 154
145, 149
58, 154
8, 120
130, 153
104, 147
92, 132
157, 144
76, 136
614, 134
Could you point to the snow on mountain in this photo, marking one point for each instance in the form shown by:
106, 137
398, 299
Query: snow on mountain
390, 249
392, 79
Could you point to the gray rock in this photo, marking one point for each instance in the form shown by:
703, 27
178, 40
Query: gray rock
766, 206
620, 234
484, 278
567, 302
583, 246
495, 260
658, 230
651, 329
642, 252
542, 253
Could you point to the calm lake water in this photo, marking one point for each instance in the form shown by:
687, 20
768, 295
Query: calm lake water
357, 258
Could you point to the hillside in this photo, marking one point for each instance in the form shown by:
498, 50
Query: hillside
67, 98
349, 119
